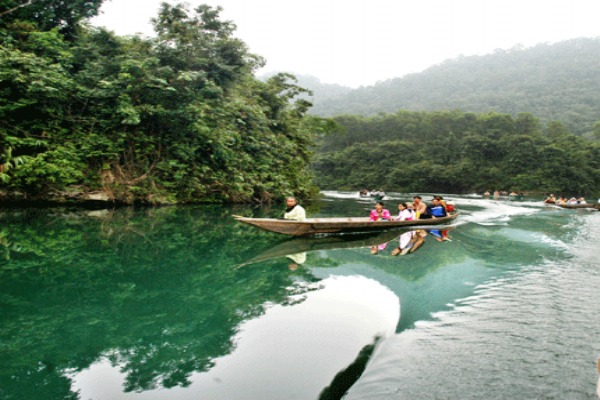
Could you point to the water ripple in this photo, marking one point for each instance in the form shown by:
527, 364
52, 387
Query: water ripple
531, 334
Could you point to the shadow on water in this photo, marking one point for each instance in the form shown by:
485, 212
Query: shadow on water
345, 379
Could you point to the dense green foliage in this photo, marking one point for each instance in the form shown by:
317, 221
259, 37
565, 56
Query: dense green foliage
49, 14
551, 81
456, 152
176, 118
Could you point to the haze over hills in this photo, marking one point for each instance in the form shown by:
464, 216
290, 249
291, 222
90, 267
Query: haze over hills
320, 91
554, 82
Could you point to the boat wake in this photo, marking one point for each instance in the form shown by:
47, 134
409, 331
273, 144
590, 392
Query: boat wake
340, 195
490, 213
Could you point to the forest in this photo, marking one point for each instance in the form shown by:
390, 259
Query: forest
87, 115
554, 82
456, 152
176, 118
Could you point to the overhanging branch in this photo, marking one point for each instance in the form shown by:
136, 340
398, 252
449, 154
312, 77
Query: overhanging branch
28, 3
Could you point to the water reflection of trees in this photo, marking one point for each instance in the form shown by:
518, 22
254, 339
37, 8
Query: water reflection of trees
153, 290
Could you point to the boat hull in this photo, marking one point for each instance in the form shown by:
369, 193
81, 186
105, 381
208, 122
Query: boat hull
576, 205
314, 226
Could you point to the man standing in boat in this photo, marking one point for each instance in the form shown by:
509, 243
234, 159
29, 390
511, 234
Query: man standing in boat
294, 211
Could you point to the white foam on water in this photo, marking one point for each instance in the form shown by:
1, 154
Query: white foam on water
494, 212
340, 195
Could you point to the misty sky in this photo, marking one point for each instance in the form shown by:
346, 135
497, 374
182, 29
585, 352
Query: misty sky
354, 42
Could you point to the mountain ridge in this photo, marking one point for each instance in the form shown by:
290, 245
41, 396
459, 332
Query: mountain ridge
554, 82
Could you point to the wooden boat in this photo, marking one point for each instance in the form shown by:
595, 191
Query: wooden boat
313, 226
372, 195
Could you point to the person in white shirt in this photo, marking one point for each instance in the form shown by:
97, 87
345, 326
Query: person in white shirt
407, 239
294, 211
404, 213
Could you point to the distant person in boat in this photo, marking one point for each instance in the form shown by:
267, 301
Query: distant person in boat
404, 213
550, 199
581, 200
496, 195
380, 213
294, 211
486, 194
419, 206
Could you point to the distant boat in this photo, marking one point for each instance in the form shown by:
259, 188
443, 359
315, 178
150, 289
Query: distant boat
374, 194
341, 225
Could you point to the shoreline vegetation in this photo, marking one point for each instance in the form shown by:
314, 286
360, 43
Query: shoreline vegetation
88, 117
457, 152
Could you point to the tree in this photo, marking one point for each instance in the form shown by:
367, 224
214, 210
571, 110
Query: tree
177, 118
596, 130
556, 130
455, 152
49, 14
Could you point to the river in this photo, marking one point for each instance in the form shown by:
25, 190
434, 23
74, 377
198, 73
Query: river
186, 303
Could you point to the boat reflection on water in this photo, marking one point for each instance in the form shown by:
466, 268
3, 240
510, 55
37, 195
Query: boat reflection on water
296, 249
410, 241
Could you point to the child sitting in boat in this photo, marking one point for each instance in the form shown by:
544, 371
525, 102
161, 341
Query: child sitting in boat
404, 213
380, 213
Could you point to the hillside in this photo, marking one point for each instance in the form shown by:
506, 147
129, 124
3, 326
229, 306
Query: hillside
321, 92
553, 82
456, 152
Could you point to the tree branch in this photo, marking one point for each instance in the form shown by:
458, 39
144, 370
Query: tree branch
3, 13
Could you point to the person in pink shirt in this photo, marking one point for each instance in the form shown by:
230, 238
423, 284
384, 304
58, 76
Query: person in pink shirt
380, 213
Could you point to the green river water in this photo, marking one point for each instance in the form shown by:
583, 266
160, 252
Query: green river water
186, 303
